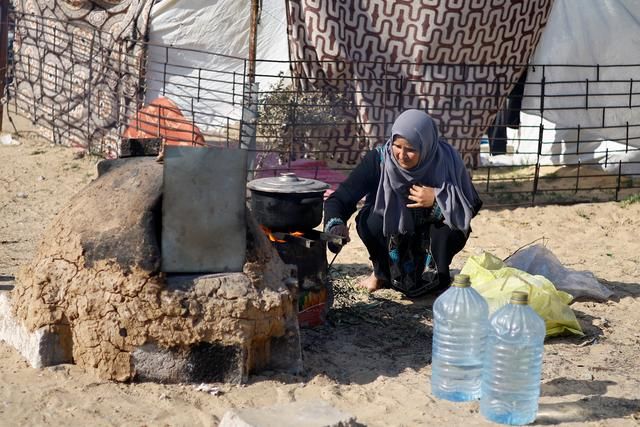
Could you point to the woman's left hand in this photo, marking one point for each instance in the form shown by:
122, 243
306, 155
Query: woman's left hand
421, 196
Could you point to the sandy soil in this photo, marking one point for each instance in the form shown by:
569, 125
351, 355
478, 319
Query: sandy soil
372, 359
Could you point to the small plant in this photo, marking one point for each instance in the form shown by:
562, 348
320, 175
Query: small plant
291, 120
582, 214
629, 200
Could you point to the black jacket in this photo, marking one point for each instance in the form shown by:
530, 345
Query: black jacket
362, 181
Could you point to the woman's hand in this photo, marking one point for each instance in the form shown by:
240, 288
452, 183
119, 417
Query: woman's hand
421, 196
339, 230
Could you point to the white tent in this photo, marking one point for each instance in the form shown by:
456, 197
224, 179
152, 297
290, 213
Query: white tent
182, 35
599, 100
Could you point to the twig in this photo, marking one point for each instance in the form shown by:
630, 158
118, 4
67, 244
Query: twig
524, 246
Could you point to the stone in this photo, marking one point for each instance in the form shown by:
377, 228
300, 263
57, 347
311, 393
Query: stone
40, 348
201, 363
310, 413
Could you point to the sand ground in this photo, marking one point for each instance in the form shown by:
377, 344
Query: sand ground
372, 359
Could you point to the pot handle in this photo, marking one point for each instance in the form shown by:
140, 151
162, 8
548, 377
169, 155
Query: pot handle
311, 200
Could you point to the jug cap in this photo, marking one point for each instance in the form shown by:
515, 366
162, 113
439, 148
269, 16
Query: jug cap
461, 281
519, 298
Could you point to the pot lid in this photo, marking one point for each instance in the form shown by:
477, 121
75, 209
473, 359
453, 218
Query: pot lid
288, 182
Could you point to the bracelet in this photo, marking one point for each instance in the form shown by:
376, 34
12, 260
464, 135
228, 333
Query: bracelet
332, 222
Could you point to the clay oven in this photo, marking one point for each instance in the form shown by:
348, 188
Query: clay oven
96, 285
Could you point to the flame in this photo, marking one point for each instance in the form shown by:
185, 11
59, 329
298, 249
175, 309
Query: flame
273, 238
270, 235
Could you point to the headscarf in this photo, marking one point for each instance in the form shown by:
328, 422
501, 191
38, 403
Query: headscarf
440, 167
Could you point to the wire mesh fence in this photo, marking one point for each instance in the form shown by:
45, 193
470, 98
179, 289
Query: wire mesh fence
576, 136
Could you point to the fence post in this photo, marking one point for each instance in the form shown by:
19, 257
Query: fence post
619, 177
4, 40
92, 46
249, 125
626, 140
488, 176
586, 95
536, 177
164, 70
384, 100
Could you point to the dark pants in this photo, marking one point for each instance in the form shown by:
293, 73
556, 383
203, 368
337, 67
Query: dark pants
445, 243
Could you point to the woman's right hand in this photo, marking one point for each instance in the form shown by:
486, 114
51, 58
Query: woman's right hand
339, 230
421, 196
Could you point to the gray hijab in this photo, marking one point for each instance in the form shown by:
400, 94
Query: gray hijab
440, 167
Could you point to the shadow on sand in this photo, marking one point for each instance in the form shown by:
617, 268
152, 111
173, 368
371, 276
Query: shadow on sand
595, 407
385, 332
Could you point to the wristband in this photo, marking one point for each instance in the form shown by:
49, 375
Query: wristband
332, 222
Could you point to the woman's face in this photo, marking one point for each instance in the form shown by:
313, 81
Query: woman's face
406, 156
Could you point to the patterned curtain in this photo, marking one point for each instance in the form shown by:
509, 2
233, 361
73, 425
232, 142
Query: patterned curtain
78, 67
458, 60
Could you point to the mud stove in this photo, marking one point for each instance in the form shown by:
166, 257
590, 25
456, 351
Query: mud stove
288, 208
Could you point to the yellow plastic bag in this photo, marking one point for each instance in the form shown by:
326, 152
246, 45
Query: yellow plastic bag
495, 282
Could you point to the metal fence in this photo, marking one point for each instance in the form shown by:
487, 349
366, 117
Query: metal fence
87, 89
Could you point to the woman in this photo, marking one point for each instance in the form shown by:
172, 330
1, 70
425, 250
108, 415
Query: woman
418, 207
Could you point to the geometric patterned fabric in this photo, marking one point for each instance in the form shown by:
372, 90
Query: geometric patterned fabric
455, 59
78, 68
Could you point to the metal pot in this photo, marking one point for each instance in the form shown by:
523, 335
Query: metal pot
287, 202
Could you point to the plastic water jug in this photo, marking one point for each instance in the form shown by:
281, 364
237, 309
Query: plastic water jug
513, 363
460, 327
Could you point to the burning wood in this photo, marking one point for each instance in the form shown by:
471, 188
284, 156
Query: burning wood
279, 237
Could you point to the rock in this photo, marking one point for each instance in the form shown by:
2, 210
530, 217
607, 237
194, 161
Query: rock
41, 347
311, 413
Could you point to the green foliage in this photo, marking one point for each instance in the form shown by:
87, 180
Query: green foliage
629, 200
291, 120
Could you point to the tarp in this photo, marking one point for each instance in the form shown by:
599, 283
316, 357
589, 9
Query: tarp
203, 43
597, 99
163, 118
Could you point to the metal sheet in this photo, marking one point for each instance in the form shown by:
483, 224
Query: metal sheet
203, 210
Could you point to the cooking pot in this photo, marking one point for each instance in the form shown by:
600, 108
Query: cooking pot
287, 202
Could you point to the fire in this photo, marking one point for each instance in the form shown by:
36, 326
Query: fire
270, 235
273, 238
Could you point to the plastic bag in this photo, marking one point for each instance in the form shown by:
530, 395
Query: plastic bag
495, 281
537, 259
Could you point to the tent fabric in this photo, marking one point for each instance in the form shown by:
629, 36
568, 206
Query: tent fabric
76, 75
163, 118
596, 99
205, 45
443, 56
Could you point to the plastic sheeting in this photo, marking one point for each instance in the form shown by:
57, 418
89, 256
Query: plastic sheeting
198, 80
496, 282
537, 259
586, 32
